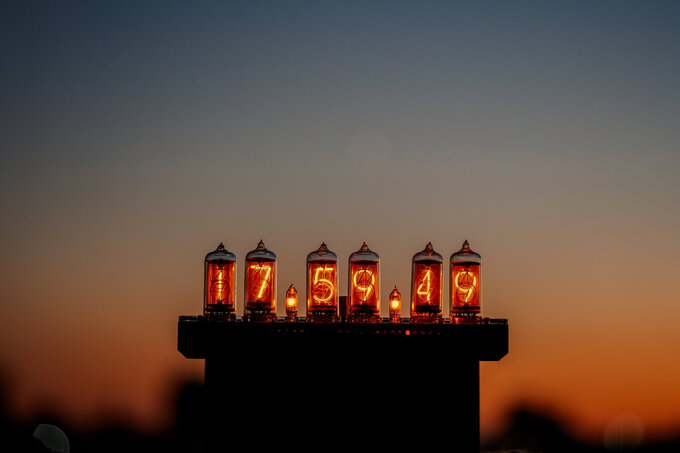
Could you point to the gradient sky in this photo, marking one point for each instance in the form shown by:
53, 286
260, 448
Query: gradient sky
135, 138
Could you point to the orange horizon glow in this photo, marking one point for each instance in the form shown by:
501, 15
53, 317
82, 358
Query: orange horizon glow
612, 365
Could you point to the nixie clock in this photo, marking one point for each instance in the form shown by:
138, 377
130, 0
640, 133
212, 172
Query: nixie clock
465, 284
291, 304
395, 305
260, 285
426, 286
364, 285
322, 285
219, 291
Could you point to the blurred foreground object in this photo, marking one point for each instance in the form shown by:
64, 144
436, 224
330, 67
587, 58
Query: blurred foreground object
52, 438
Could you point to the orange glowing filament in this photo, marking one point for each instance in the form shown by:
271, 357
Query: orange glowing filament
291, 300
364, 284
219, 289
427, 283
218, 285
395, 304
395, 301
322, 284
466, 285
260, 277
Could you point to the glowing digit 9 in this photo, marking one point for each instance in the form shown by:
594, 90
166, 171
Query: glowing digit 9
466, 284
364, 281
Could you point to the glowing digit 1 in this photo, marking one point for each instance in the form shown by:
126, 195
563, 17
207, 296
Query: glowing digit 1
219, 284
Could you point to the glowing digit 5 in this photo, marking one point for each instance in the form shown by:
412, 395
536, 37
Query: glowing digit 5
323, 285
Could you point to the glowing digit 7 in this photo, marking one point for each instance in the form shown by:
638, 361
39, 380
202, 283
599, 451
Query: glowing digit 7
264, 282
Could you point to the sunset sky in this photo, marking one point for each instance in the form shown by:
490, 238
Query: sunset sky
135, 138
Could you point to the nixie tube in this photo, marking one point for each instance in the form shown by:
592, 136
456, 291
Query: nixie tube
364, 285
465, 285
322, 285
395, 305
260, 285
219, 290
426, 286
291, 304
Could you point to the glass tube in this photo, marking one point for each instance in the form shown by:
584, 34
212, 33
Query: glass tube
219, 289
465, 285
291, 304
395, 305
364, 285
426, 286
322, 285
260, 285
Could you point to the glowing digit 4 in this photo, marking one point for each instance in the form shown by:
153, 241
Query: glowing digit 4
427, 282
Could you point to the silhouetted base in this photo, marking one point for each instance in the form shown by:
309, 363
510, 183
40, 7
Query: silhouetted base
342, 386
332, 398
